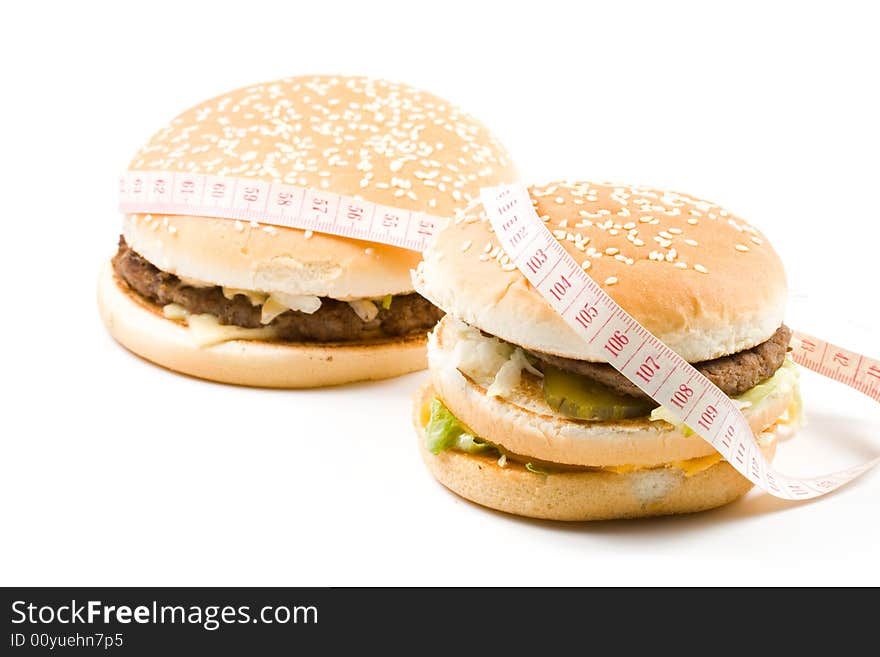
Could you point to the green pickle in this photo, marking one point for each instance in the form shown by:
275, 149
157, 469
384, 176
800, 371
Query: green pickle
582, 398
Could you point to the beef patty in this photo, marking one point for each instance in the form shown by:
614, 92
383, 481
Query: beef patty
734, 374
334, 321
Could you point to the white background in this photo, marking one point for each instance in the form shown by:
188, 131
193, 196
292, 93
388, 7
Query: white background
116, 472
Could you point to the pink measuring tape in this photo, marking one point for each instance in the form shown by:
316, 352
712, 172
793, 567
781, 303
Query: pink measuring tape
167, 192
652, 366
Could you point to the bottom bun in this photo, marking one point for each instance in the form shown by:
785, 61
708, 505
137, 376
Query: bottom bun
140, 327
573, 496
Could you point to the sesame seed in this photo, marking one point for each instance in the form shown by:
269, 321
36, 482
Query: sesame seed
681, 265
369, 250
701, 269
560, 200
308, 234
612, 250
741, 247
466, 245
172, 230
675, 231
691, 242
611, 280
508, 267
693, 222
586, 264
757, 240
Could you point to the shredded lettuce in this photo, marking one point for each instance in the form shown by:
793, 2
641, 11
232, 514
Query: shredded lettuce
531, 467
470, 444
510, 373
796, 410
444, 431
386, 301
785, 377
663, 413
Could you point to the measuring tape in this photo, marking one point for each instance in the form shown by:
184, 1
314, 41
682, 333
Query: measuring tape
655, 368
277, 204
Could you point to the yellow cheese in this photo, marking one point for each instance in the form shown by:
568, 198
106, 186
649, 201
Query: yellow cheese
697, 465
175, 311
206, 330
690, 466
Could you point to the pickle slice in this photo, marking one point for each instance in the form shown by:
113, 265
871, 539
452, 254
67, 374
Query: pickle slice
582, 398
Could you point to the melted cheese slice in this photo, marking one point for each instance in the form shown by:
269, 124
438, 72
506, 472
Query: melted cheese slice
690, 466
206, 330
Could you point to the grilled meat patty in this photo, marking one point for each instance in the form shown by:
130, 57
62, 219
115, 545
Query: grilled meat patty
734, 374
334, 321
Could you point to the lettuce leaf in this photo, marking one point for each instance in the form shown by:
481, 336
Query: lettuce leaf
444, 431
784, 378
531, 467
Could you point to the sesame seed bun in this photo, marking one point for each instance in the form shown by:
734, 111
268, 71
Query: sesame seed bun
387, 143
702, 280
523, 423
581, 495
141, 327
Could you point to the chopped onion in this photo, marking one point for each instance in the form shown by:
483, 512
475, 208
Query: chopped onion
365, 309
510, 374
304, 303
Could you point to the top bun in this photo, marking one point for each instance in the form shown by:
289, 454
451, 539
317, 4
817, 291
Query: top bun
702, 280
388, 143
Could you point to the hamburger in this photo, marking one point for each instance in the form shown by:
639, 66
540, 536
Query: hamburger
523, 416
245, 303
